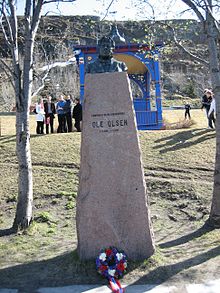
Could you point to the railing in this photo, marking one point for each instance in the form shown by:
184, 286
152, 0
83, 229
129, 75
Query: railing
146, 118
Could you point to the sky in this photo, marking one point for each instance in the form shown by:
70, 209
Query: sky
119, 10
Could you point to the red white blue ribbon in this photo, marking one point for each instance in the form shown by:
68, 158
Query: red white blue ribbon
116, 286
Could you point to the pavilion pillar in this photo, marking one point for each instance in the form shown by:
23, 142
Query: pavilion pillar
158, 94
147, 84
81, 74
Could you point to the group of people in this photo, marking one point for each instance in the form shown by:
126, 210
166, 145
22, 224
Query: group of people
208, 103
45, 111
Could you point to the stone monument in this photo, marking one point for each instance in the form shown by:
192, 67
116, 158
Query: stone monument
112, 203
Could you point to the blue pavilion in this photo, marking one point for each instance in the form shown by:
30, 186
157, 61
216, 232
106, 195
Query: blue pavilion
144, 73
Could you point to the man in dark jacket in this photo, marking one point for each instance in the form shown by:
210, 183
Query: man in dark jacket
77, 114
68, 112
50, 110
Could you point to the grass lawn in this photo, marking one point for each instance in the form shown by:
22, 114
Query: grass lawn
178, 166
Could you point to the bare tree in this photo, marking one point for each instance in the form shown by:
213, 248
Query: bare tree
205, 12
22, 80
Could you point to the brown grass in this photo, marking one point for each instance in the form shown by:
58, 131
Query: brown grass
178, 166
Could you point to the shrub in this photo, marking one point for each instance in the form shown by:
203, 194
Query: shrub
181, 124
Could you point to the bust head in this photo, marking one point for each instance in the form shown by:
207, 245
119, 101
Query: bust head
105, 61
106, 45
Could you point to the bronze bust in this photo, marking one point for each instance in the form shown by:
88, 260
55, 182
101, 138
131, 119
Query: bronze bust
105, 61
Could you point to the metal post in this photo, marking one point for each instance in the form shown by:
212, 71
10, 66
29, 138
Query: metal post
81, 74
158, 94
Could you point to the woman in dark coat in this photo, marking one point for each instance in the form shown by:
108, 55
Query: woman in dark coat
77, 114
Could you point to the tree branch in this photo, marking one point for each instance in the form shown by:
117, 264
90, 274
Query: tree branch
48, 68
13, 24
195, 9
179, 45
5, 34
57, 1
42, 86
6, 68
36, 15
209, 9
2, 18
107, 10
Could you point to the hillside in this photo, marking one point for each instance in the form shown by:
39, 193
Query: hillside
58, 35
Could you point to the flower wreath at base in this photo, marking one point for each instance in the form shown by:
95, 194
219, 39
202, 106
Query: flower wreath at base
112, 264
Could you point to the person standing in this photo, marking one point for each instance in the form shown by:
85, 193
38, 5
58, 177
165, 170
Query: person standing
206, 102
40, 116
77, 114
61, 115
50, 110
68, 113
212, 111
187, 111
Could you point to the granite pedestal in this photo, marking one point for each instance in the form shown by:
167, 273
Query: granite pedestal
112, 205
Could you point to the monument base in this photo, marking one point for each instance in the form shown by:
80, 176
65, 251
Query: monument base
111, 204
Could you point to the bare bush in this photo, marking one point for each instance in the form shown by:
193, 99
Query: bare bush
180, 124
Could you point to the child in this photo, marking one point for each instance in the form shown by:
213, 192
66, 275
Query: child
187, 111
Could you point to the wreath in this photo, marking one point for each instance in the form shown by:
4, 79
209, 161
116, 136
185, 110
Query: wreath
112, 264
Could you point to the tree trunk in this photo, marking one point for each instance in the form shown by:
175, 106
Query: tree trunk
214, 217
23, 215
23, 86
